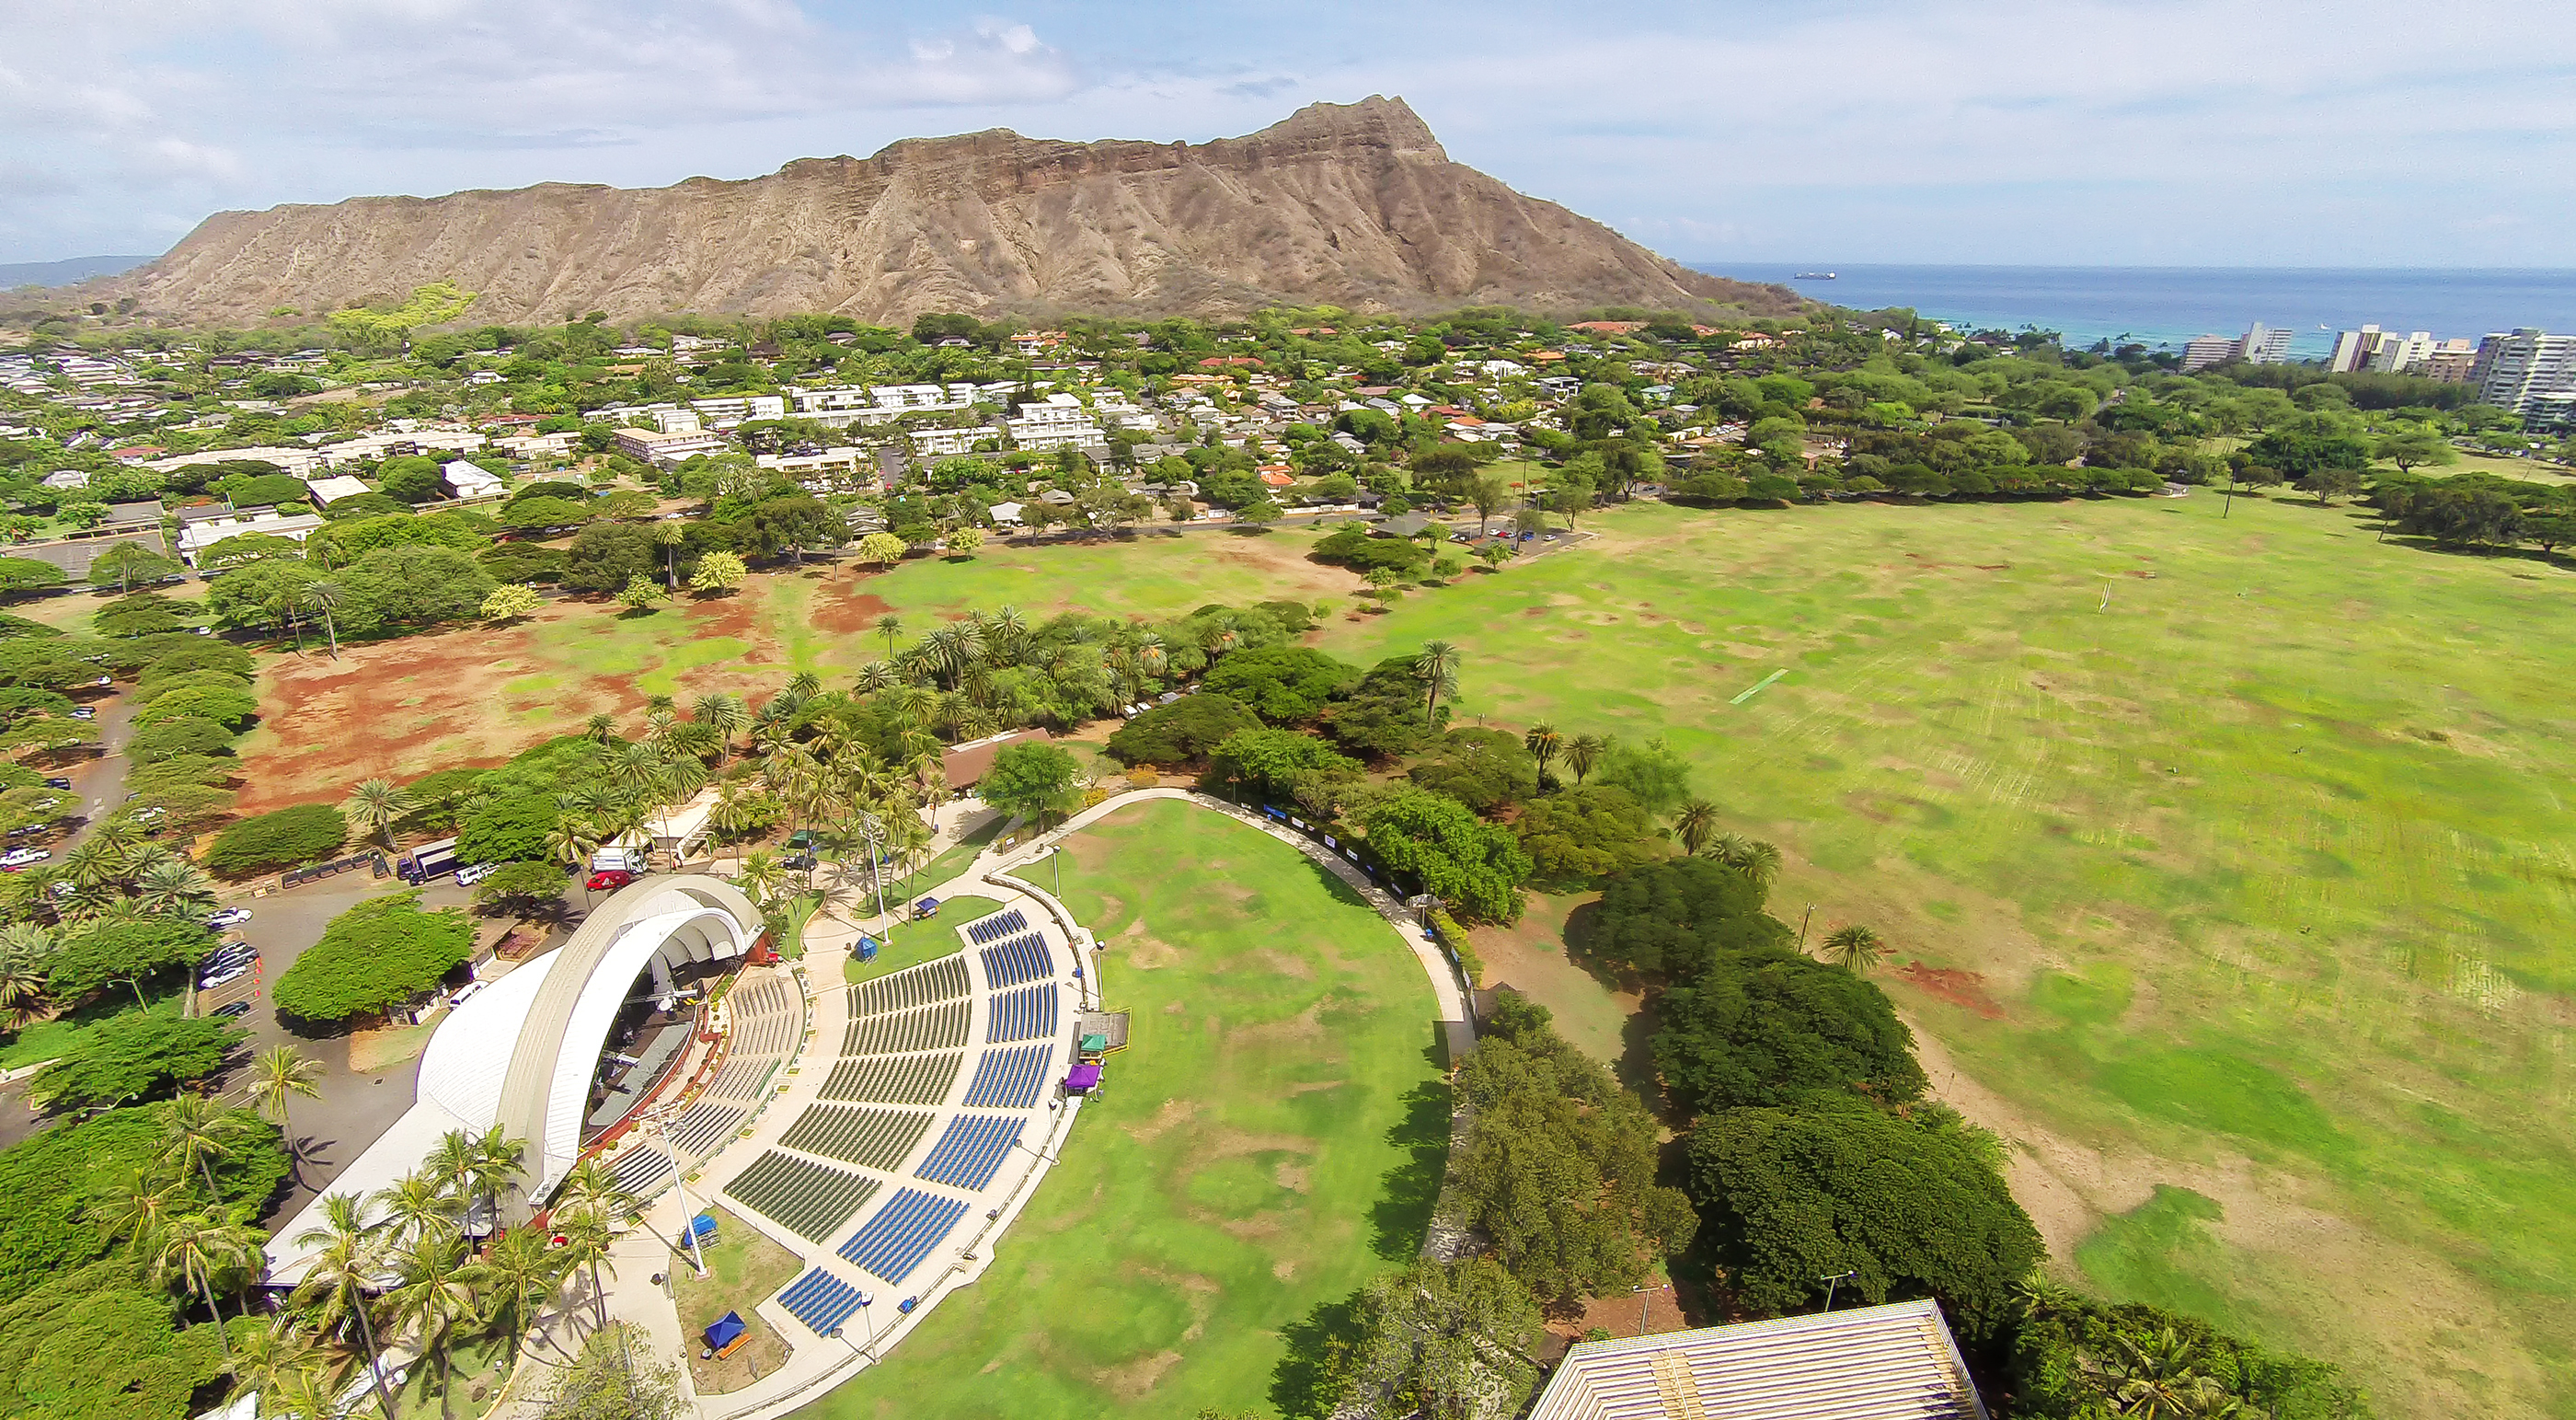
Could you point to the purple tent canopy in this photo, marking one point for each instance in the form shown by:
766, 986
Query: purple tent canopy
1083, 1080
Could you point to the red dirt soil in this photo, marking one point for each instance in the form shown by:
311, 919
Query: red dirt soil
843, 613
1960, 988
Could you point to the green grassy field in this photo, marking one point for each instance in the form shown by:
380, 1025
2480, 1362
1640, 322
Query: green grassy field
1272, 1137
2247, 837
913, 942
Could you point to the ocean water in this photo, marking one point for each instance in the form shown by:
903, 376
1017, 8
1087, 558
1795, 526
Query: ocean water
2168, 305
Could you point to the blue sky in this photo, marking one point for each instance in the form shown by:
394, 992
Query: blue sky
2181, 132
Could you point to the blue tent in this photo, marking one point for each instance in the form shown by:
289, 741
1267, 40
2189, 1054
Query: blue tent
927, 907
726, 1330
702, 1229
867, 949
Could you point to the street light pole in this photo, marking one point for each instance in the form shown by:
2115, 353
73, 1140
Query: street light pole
1832, 1280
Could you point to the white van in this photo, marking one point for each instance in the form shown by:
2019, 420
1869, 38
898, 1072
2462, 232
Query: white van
468, 877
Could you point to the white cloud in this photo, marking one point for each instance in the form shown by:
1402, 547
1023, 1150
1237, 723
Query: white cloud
2003, 130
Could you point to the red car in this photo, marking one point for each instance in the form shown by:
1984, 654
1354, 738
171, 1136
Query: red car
607, 878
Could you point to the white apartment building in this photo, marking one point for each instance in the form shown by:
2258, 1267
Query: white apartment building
654, 446
295, 461
726, 410
2525, 369
940, 443
195, 537
1056, 423
372, 446
843, 405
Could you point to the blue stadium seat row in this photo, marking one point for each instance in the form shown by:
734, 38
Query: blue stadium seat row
972, 1150
996, 927
1009, 1079
1027, 958
896, 1240
1025, 1014
820, 1300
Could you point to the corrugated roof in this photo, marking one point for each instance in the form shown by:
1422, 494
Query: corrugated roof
1893, 1362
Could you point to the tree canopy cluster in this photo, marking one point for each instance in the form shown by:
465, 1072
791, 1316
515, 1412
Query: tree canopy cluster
376, 955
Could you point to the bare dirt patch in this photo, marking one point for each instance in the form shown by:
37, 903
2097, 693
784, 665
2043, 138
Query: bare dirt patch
1960, 988
843, 612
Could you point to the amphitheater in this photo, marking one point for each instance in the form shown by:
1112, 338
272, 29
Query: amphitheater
885, 1133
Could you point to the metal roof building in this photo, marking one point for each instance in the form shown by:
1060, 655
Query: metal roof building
1893, 1362
522, 1052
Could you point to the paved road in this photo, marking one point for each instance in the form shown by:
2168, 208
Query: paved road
353, 1109
100, 782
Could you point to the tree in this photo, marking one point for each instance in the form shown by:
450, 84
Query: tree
1483, 769
718, 572
134, 1055
1259, 511
1559, 1165
2413, 449
1584, 834
1474, 866
668, 536
111, 953
27, 574
592, 1205
375, 955
197, 1246
1770, 1027
1384, 714
520, 887
889, 624
1444, 1341
1490, 495
1670, 919
881, 550
1031, 780
2331, 483
375, 806
127, 563
305, 833
507, 829
963, 542
1855, 949
1382, 583
1658, 777
617, 1375
1182, 732
2073, 1358
640, 593
1914, 1209
1283, 684
511, 601
432, 1292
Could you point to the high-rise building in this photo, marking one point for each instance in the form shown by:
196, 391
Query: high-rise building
2263, 345
2522, 370
2352, 350
2397, 355
2207, 350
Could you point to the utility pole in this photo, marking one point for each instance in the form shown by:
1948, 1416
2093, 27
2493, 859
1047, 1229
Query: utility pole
1832, 1280
1802, 926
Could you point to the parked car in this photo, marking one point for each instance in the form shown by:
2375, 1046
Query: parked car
21, 857
608, 878
229, 917
801, 862
466, 992
58, 782
213, 979
1460, 537
84, 713
469, 876
237, 1008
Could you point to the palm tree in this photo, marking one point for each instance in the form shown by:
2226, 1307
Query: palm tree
670, 536
270, 1360
197, 1246
279, 1076
891, 625
519, 1273
571, 842
1582, 752
375, 805
94, 863
1856, 949
1437, 665
1752, 857
2157, 1379
1696, 824
433, 1290
325, 597
805, 685
492, 1168
1545, 744
726, 715
761, 875
601, 728
348, 1263
195, 1132
588, 1207
135, 1207
25, 948
417, 1204
175, 888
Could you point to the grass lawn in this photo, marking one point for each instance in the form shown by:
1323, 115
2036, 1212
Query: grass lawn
2233, 853
952, 860
743, 1266
913, 942
1264, 1145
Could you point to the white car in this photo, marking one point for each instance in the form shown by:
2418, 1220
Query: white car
229, 917
468, 877
231, 973
21, 857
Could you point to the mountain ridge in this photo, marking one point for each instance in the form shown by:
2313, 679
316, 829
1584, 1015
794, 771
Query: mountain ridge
1355, 205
